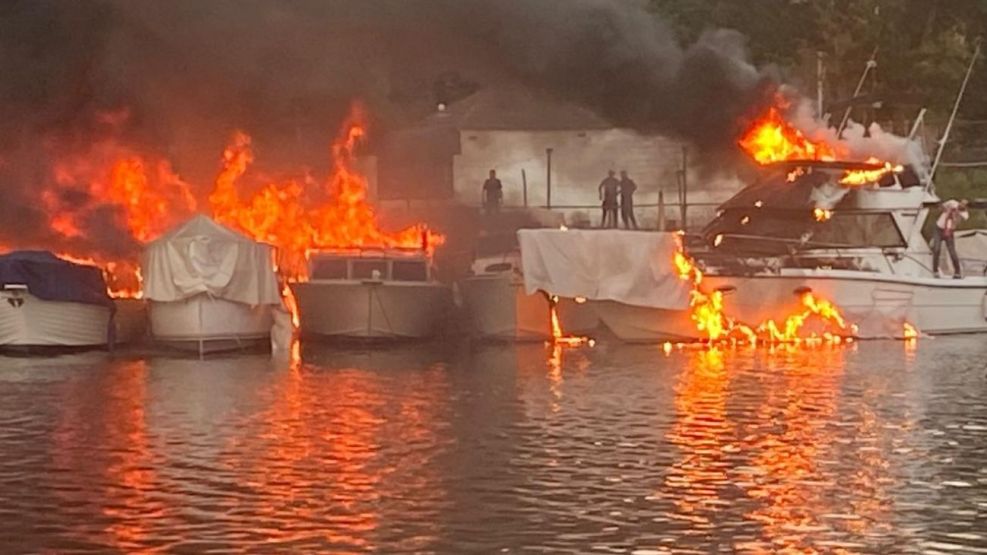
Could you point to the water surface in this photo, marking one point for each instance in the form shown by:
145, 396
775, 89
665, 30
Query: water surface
877, 447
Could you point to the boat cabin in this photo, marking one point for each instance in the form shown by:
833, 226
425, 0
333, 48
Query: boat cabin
801, 215
370, 265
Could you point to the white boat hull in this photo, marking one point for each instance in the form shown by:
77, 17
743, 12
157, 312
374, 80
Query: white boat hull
371, 310
500, 309
27, 321
878, 305
208, 324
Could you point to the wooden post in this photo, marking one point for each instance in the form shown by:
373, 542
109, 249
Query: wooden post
685, 188
661, 210
524, 187
548, 179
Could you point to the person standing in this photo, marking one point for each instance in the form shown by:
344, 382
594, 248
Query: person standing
953, 212
609, 188
493, 194
627, 188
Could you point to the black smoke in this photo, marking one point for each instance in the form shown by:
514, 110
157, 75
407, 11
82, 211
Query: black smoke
189, 72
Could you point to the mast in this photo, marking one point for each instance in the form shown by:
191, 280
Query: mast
952, 117
871, 64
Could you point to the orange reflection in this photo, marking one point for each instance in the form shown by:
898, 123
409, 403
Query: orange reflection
325, 450
115, 451
702, 432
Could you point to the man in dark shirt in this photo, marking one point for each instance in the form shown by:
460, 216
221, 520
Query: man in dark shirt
609, 188
493, 193
627, 188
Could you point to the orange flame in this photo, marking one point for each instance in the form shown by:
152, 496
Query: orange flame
822, 214
770, 138
909, 332
708, 312
293, 219
863, 177
558, 336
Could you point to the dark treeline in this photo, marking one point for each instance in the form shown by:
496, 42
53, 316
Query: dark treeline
922, 47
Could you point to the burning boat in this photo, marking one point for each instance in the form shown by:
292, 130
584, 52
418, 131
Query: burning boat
500, 308
808, 228
210, 288
48, 302
371, 294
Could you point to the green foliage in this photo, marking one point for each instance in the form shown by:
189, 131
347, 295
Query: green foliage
964, 183
923, 46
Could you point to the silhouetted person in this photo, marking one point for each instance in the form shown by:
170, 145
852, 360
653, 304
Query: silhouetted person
493, 194
627, 188
952, 212
609, 188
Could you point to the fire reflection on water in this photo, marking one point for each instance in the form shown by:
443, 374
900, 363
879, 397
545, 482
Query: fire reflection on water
123, 469
702, 432
321, 456
786, 458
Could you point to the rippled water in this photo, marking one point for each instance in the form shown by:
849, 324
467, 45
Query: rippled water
876, 447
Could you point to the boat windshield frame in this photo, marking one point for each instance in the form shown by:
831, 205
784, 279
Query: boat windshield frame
389, 261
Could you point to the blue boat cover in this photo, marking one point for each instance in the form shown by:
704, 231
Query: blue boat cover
50, 278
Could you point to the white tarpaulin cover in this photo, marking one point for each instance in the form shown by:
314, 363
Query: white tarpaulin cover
203, 256
630, 267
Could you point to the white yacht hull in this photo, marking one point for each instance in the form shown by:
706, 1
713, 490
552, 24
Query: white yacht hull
878, 305
371, 310
27, 321
500, 309
208, 324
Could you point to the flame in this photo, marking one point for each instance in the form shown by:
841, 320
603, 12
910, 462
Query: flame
558, 336
142, 193
709, 314
909, 332
771, 138
123, 279
298, 220
822, 214
863, 177
291, 304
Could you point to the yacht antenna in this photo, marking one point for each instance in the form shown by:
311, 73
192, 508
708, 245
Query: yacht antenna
871, 64
952, 116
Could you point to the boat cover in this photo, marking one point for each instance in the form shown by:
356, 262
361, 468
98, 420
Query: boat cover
971, 246
631, 267
50, 278
203, 256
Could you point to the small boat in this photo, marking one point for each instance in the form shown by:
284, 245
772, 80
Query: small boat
210, 289
498, 305
370, 295
48, 303
863, 250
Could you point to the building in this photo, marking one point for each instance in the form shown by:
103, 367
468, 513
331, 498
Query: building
446, 157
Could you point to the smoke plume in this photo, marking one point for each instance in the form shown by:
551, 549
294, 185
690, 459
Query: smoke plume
172, 80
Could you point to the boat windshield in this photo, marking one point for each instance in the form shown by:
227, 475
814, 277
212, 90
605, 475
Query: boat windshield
766, 232
341, 268
330, 268
409, 270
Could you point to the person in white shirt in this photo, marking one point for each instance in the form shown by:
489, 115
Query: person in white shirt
953, 212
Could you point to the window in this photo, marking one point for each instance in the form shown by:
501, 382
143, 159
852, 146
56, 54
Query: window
409, 270
331, 268
364, 269
848, 229
781, 231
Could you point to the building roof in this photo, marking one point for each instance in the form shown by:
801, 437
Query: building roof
514, 108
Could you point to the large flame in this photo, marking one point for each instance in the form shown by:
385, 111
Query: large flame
771, 138
298, 220
107, 179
